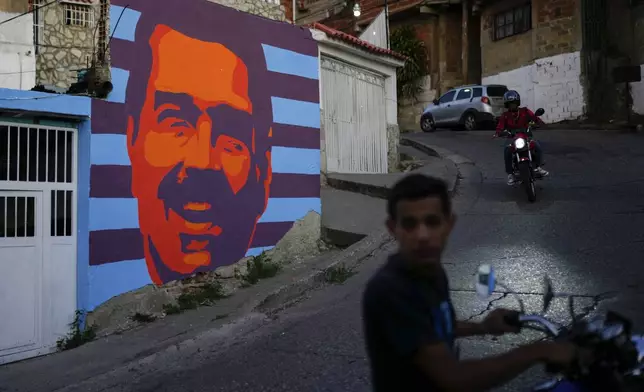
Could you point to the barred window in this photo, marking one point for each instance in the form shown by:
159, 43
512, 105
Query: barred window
79, 15
513, 22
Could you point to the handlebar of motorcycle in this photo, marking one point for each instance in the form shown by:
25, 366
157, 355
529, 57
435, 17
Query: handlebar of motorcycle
525, 320
517, 319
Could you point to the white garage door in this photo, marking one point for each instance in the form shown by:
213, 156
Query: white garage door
355, 122
37, 238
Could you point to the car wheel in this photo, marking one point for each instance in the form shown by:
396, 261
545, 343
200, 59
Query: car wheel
469, 122
427, 124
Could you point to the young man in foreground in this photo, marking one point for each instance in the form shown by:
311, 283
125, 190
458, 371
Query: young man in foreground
408, 316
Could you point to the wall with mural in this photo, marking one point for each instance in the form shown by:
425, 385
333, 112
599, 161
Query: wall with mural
207, 150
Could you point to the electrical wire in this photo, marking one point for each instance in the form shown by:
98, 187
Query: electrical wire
50, 96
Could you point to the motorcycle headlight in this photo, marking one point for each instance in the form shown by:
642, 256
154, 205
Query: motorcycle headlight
519, 143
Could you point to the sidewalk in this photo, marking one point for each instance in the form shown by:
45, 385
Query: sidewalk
354, 205
242, 313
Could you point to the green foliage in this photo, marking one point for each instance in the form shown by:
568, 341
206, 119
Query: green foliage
405, 41
77, 336
205, 294
338, 274
259, 267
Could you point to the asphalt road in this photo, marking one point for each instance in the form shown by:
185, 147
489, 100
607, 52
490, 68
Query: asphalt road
586, 231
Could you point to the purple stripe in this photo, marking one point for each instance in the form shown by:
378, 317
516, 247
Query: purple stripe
293, 87
280, 85
110, 181
175, 13
115, 181
294, 136
121, 54
108, 117
110, 246
295, 185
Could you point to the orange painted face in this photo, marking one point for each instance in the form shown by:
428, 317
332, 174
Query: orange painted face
192, 155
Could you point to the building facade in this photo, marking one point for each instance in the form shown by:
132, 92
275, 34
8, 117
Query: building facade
17, 51
70, 37
535, 48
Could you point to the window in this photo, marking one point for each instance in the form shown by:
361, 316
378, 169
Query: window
38, 23
79, 15
512, 22
496, 91
478, 92
465, 93
17, 216
448, 97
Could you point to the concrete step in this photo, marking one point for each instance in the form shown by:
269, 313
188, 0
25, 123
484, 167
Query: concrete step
348, 217
407, 152
378, 185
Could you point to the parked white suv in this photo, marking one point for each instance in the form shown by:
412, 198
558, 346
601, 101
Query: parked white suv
466, 106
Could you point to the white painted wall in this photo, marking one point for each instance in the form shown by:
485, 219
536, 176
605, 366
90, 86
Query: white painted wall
637, 92
17, 54
376, 32
552, 83
381, 65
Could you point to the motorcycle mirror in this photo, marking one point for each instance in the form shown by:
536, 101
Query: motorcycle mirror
548, 295
485, 281
539, 112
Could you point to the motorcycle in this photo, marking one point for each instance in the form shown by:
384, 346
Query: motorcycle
522, 148
618, 355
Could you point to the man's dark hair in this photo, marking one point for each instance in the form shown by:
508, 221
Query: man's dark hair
416, 187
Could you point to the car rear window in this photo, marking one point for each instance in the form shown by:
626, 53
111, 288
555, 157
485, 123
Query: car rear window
496, 91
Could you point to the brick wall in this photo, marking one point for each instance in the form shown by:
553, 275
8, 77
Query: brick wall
14, 6
450, 49
271, 9
556, 29
542, 64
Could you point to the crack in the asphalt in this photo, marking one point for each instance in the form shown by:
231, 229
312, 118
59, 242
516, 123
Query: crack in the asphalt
488, 308
587, 310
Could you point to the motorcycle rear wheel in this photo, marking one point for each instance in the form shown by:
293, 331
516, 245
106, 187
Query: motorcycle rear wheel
528, 181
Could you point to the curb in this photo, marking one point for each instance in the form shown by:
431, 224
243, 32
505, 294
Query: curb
377, 191
350, 258
340, 238
420, 146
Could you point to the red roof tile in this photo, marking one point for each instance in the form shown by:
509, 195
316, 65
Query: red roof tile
354, 41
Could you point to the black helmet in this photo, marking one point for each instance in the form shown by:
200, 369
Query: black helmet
511, 96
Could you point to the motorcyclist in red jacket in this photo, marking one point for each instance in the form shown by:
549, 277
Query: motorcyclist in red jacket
517, 117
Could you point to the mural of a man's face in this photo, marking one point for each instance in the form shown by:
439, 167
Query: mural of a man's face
200, 180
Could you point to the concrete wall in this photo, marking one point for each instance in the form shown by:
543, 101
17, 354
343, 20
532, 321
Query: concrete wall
637, 89
190, 190
450, 64
17, 52
271, 9
409, 111
65, 49
543, 64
